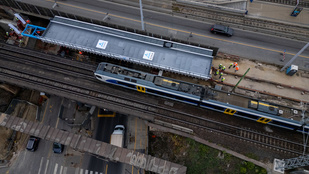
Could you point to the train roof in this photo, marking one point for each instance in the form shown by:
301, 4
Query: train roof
139, 49
164, 82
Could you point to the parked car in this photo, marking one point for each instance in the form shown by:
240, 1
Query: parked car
221, 29
33, 143
58, 148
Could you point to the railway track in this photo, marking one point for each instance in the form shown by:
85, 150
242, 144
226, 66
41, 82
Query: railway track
43, 60
32, 77
240, 21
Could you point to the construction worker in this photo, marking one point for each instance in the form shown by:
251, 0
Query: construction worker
217, 73
231, 64
220, 66
237, 68
223, 68
20, 42
222, 79
221, 74
235, 64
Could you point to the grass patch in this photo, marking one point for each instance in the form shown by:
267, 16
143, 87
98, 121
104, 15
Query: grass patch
198, 157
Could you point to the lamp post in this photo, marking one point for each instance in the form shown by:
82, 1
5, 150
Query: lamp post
142, 17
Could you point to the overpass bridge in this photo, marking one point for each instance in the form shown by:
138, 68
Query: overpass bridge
85, 144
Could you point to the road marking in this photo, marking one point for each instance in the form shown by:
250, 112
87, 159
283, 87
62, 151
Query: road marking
91, 172
47, 162
96, 173
61, 168
86, 172
56, 168
81, 171
41, 165
161, 26
106, 168
57, 122
76, 170
45, 111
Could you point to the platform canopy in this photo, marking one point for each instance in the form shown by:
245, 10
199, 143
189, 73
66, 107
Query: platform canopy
149, 51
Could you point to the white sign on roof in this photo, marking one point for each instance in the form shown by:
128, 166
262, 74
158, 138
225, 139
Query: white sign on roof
148, 55
102, 44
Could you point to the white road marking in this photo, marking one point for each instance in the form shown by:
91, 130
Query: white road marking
96, 172
42, 159
61, 169
81, 171
86, 172
56, 168
76, 170
91, 172
47, 162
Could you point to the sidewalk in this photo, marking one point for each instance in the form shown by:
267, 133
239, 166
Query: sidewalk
277, 12
265, 78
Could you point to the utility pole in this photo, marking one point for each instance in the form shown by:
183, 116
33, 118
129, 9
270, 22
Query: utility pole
296, 55
142, 16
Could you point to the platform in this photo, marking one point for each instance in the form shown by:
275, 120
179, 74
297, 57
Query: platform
149, 51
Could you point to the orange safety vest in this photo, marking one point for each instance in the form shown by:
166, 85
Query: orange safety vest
237, 68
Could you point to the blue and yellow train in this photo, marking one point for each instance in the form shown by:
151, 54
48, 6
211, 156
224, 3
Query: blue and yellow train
194, 94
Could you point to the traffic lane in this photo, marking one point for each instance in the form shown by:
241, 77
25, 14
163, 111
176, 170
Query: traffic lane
32, 160
186, 25
265, 48
170, 25
103, 130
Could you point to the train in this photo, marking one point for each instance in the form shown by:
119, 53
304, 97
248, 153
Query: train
194, 94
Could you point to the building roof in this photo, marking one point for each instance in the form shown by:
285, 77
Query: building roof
149, 51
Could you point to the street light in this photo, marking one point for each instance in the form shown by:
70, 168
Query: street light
142, 17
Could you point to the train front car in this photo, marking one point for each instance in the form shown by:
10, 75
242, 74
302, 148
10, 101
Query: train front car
100, 74
149, 83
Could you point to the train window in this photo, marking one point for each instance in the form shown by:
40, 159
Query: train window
99, 77
230, 111
141, 89
263, 120
127, 79
133, 80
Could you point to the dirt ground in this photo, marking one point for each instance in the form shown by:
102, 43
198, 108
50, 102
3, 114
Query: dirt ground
11, 141
197, 157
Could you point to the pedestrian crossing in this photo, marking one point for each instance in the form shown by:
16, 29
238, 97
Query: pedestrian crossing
47, 167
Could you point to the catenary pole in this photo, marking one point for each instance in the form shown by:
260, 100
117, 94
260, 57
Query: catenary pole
296, 55
142, 16
240, 80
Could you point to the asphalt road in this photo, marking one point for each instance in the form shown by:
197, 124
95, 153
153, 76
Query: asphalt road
43, 160
261, 47
103, 130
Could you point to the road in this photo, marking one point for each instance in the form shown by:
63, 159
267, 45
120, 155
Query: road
261, 47
103, 130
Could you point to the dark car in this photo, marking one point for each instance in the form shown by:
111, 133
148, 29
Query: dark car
33, 143
221, 29
57, 147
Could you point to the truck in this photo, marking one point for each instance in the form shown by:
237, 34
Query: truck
117, 136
